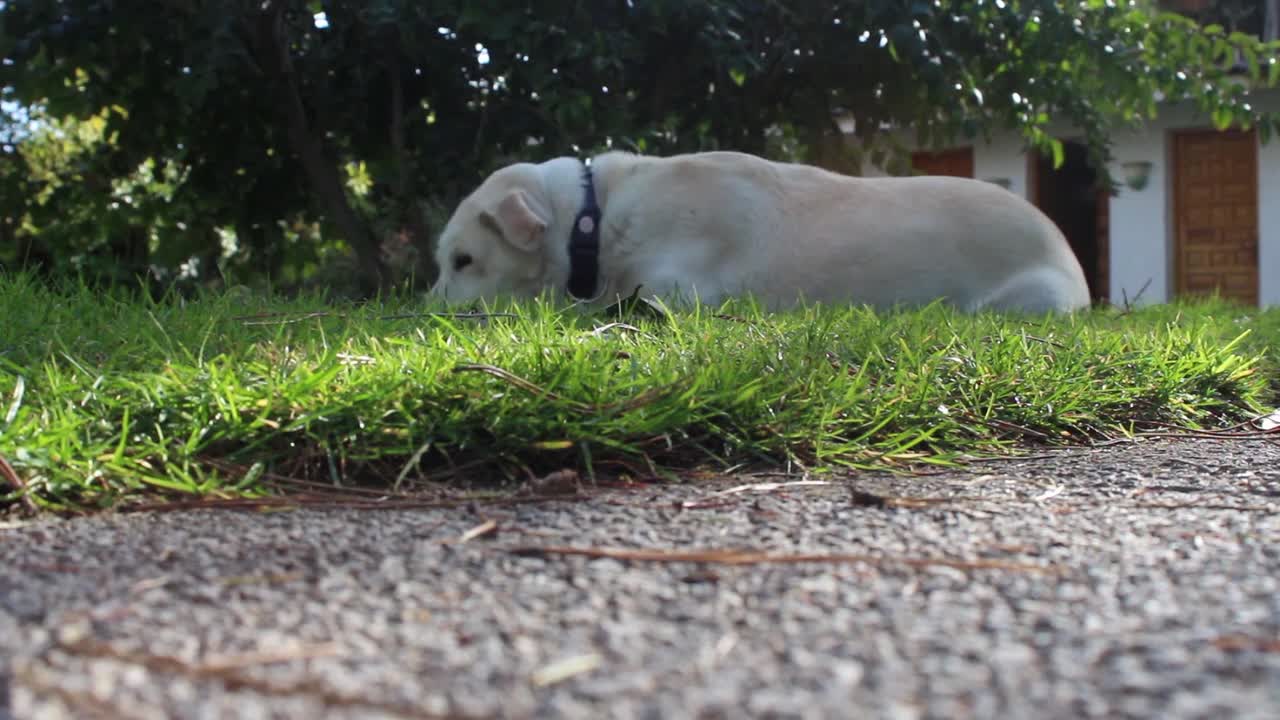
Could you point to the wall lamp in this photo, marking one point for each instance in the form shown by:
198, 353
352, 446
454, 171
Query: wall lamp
1136, 173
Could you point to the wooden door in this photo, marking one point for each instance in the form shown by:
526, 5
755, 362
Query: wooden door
1215, 178
957, 162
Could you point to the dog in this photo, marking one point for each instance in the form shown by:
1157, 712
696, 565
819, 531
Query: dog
704, 227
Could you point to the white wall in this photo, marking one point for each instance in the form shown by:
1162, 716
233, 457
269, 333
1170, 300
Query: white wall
1003, 158
1141, 230
1269, 223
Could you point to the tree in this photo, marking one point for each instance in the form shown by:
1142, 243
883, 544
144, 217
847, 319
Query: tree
276, 119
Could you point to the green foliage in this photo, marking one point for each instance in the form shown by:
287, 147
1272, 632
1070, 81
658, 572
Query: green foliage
103, 397
251, 113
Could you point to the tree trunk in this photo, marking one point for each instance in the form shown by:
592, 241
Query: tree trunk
828, 146
30, 254
410, 215
271, 46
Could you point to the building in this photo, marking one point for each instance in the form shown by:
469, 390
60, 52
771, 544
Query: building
1197, 212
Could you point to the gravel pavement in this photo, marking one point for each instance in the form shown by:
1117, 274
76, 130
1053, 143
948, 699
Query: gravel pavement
1138, 580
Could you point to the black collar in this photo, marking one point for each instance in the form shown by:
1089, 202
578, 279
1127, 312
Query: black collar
584, 242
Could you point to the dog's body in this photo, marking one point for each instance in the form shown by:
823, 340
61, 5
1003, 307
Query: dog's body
721, 224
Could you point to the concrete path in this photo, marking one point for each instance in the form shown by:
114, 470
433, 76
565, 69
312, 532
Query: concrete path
1136, 580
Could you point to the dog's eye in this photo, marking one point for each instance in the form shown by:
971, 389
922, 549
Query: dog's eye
460, 261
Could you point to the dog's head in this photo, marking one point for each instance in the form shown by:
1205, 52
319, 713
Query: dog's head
496, 242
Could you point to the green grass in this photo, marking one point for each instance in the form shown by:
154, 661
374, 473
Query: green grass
103, 397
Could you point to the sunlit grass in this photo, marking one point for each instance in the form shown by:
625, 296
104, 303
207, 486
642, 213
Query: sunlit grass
104, 396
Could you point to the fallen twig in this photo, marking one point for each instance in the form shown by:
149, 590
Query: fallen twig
280, 318
1114, 441
1231, 433
233, 680
754, 487
1204, 506
219, 663
752, 557
350, 359
487, 527
557, 482
474, 315
1049, 494
601, 330
1018, 429
1010, 458
562, 670
272, 579
1236, 643
1210, 435
1046, 341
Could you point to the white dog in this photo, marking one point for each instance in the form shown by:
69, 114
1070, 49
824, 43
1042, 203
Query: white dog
713, 225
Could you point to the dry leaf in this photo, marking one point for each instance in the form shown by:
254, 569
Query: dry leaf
1269, 423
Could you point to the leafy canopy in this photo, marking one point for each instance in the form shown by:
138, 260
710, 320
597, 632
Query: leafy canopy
245, 139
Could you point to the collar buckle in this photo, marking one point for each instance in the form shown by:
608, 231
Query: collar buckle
584, 242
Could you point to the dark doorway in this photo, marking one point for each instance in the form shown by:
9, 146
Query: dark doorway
1072, 198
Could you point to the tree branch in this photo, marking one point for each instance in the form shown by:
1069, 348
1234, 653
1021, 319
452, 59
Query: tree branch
269, 39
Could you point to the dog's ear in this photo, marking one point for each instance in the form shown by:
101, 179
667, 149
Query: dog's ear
520, 220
